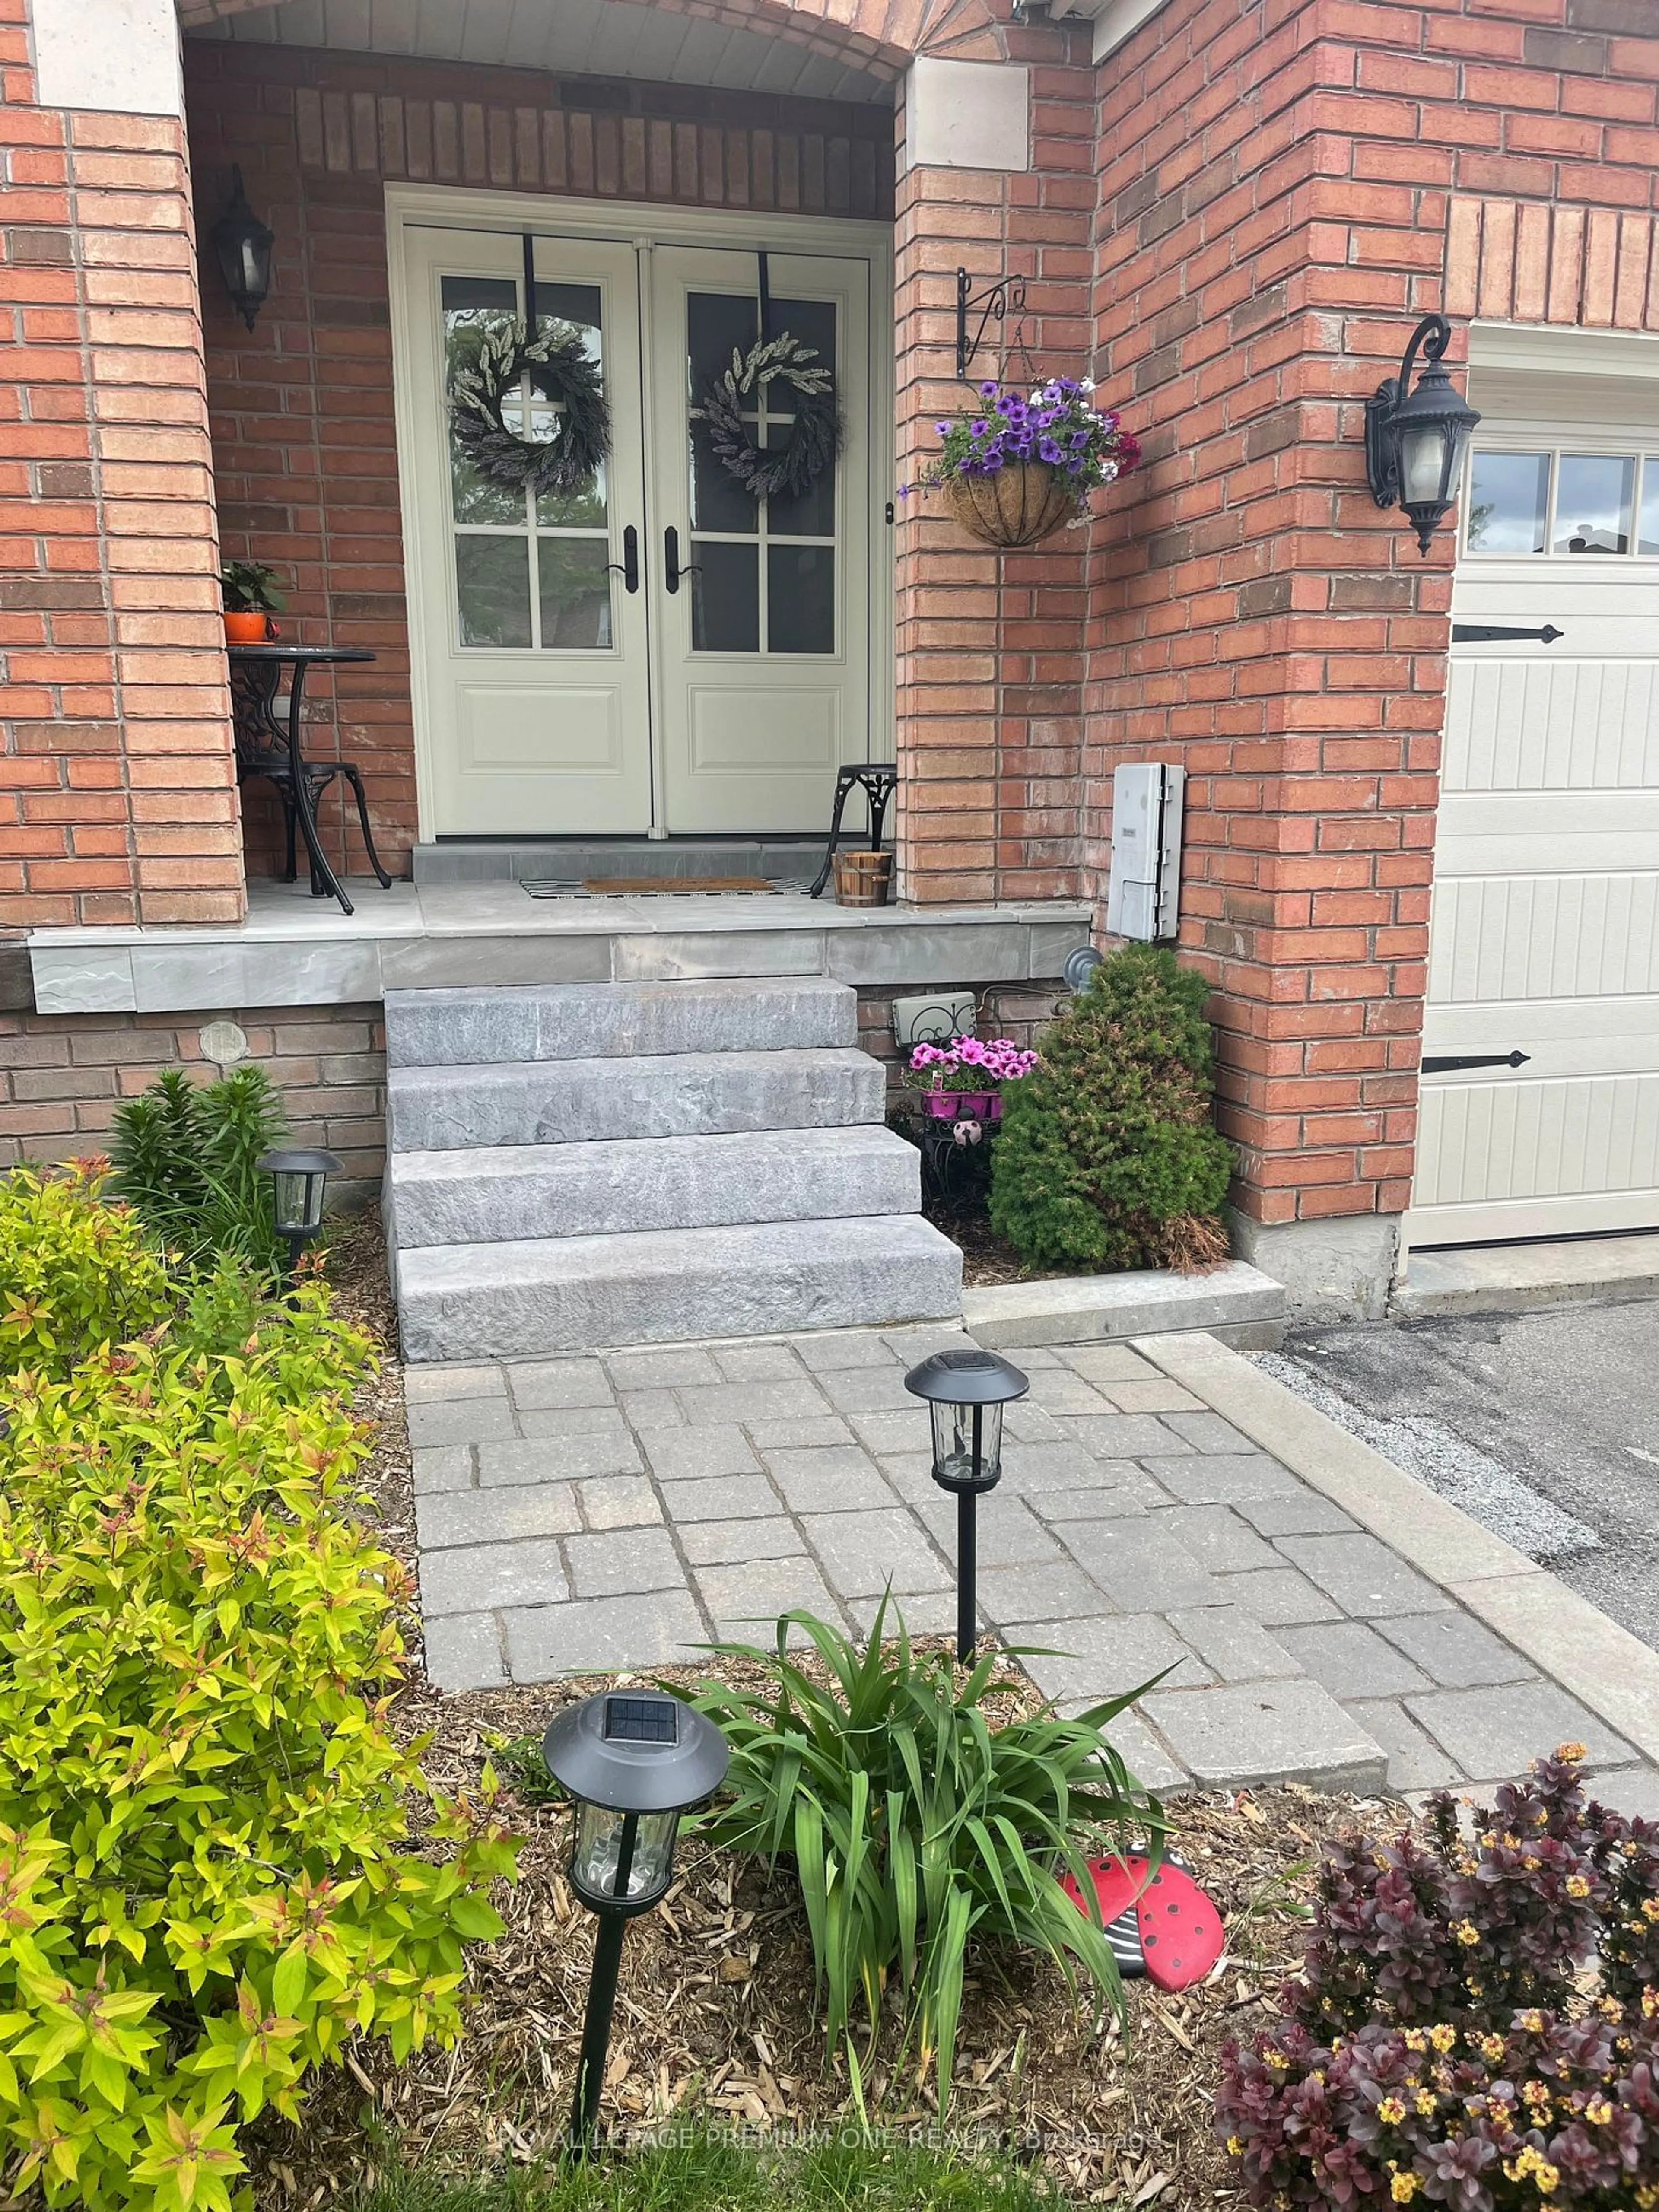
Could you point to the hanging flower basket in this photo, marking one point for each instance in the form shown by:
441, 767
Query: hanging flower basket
1024, 502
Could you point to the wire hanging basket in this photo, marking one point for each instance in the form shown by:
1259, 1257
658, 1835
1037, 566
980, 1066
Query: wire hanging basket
1019, 504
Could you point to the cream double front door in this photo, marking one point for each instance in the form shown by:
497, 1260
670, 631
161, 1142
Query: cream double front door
658, 650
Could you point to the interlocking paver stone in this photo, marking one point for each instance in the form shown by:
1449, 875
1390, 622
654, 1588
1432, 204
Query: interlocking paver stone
464, 1652
1008, 1534
438, 1385
1454, 1651
759, 1362
1031, 1424
1141, 1751
617, 1560
1107, 1363
460, 1420
1351, 1660
1279, 1596
1494, 1733
660, 1371
1307, 1515
551, 1423
1156, 1396
619, 1501
1063, 1592
865, 1389
558, 1459
1230, 1644
1140, 1564
753, 1401
695, 1454
1044, 1467
1362, 1574
539, 1382
1105, 1656
1207, 1432
799, 1436
1226, 1478
852, 1347
598, 1635
832, 1477
651, 1409
495, 1516
1215, 1535
722, 1497
1124, 1435
1118, 1491
1062, 1390
485, 1577
1272, 1731
892, 1432
747, 1596
864, 1553
1414, 1762
443, 1467
928, 1612
729, 1543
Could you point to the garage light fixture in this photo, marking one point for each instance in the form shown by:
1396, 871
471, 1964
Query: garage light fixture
1415, 437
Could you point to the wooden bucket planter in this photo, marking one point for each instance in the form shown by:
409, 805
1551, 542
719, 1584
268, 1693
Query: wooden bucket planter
863, 878
1019, 504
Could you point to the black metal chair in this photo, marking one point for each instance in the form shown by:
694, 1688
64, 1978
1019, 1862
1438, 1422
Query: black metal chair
266, 748
878, 780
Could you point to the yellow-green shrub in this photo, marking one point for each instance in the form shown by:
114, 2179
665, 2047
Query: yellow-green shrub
74, 1274
207, 1877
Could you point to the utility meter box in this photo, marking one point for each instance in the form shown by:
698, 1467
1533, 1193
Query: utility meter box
1143, 895
934, 1019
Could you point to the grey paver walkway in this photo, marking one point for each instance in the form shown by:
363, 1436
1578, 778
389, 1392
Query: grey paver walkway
585, 1514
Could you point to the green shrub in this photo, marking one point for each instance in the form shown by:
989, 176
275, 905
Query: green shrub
915, 1826
1107, 1156
187, 1156
74, 1274
207, 1881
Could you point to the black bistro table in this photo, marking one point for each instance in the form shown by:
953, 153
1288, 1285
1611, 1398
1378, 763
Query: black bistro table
264, 747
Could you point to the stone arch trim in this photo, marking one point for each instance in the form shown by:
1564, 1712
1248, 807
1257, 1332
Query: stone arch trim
880, 35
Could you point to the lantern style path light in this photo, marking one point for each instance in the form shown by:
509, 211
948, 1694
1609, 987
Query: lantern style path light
1415, 437
966, 1391
634, 1762
242, 244
298, 1178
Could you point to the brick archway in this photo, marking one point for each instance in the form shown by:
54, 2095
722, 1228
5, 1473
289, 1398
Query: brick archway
880, 35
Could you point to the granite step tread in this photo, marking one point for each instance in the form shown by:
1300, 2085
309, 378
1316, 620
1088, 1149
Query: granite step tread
677, 1095
591, 1021
501, 1193
533, 1297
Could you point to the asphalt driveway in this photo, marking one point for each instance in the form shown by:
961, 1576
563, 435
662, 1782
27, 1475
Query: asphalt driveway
1563, 1403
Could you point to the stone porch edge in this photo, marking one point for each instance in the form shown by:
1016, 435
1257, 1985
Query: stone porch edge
1572, 1641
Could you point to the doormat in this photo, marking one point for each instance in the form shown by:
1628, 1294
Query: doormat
646, 887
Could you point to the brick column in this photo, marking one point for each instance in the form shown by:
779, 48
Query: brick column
118, 791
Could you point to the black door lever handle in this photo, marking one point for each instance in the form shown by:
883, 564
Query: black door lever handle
628, 567
671, 554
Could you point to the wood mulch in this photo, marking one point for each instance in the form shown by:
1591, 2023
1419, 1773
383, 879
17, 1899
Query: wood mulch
715, 2018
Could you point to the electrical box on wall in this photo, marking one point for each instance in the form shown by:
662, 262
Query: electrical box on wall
1143, 895
932, 1019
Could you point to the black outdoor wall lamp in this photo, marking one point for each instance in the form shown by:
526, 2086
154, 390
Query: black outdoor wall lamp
966, 1392
1415, 437
243, 244
633, 1762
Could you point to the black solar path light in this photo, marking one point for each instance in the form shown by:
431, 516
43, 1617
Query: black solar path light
966, 1391
633, 1762
298, 1178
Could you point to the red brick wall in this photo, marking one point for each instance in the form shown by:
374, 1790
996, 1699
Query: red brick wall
1277, 185
305, 452
117, 799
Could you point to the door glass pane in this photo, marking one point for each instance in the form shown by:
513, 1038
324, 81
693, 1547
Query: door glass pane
1647, 537
813, 322
492, 583
1593, 501
719, 502
801, 600
725, 598
473, 306
569, 310
1509, 497
810, 515
716, 324
575, 594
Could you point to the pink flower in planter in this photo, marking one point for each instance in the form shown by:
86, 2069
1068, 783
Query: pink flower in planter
970, 1064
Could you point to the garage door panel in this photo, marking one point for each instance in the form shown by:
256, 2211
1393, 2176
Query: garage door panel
1552, 725
1509, 938
1533, 1140
1562, 1036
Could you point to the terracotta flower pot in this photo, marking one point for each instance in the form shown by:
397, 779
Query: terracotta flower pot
247, 626
1019, 504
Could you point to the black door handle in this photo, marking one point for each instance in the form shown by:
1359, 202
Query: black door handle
628, 567
671, 554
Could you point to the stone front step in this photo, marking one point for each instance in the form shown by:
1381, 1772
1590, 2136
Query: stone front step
499, 1193
593, 1021
690, 1094
581, 1293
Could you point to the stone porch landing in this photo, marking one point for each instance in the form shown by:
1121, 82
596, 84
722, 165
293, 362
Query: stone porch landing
295, 950
1319, 1614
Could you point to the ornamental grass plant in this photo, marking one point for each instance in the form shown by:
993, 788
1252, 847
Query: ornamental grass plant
1476, 2023
1109, 1156
213, 1873
915, 1828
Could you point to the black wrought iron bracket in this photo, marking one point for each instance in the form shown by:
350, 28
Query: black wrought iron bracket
1496, 634
1444, 1063
1432, 336
993, 304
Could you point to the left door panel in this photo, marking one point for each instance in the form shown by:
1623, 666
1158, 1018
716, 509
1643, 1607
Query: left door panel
536, 683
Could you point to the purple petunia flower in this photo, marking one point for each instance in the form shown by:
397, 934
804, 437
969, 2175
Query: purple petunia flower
1079, 440
1049, 452
979, 429
987, 390
944, 429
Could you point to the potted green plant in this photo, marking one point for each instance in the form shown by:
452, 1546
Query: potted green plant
1017, 469
964, 1080
252, 596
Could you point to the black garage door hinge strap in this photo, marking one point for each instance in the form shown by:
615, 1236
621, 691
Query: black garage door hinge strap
1442, 1063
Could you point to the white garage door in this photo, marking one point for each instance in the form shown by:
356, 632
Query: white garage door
1544, 926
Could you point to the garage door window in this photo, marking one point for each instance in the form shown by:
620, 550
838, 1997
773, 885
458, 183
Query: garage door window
1522, 503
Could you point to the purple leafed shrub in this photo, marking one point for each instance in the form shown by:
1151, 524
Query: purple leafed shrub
1476, 2023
